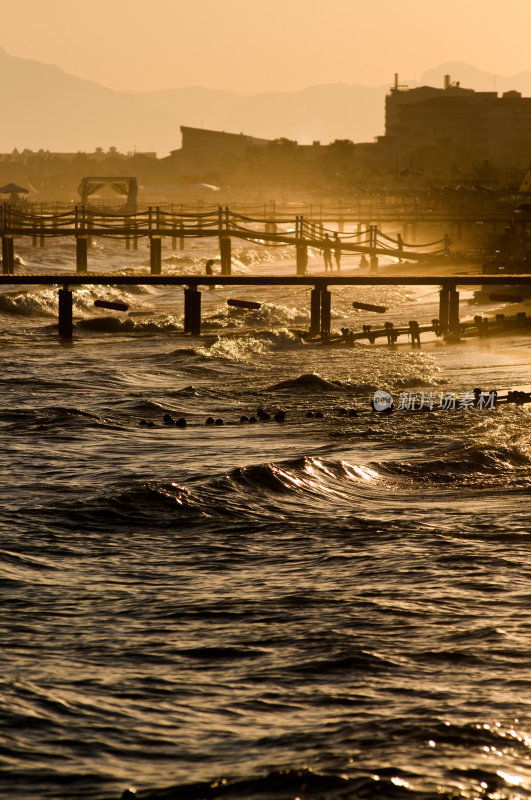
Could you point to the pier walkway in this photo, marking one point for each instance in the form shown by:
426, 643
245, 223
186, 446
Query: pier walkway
320, 296
83, 224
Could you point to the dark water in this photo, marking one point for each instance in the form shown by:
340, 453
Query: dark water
331, 607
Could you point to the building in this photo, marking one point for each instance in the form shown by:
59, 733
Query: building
461, 124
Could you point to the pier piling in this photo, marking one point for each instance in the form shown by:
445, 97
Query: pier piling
155, 255
444, 303
302, 258
8, 256
326, 297
65, 314
192, 311
453, 310
225, 251
315, 312
81, 253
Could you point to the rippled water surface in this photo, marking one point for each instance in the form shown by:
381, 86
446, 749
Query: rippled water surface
324, 607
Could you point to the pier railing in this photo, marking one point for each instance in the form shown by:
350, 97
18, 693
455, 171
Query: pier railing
82, 223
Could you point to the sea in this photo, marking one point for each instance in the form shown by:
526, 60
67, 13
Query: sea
330, 604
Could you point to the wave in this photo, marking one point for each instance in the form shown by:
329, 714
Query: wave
43, 302
338, 493
464, 464
51, 417
268, 315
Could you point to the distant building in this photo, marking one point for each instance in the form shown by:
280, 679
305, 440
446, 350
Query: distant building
205, 146
478, 124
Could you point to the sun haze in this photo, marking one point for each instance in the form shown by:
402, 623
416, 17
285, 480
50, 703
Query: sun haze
257, 46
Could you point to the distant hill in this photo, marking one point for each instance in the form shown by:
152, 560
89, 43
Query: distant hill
317, 113
44, 107
473, 78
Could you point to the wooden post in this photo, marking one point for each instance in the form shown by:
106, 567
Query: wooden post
315, 311
192, 311
443, 308
225, 255
34, 237
81, 253
373, 260
302, 259
155, 255
325, 313
8, 256
453, 310
42, 241
65, 314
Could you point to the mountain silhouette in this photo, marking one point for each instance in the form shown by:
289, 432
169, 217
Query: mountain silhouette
46, 108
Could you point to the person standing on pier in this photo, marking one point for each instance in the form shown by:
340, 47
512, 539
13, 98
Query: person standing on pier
337, 250
327, 253
400, 246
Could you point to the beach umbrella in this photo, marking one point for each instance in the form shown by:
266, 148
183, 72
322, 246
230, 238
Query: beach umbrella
11, 188
13, 191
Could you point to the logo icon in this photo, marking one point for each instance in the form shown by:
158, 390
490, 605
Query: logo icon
382, 400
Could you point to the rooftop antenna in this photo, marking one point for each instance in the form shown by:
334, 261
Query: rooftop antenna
397, 85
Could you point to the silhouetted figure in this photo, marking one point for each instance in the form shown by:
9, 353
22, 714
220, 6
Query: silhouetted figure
399, 246
337, 250
327, 253
208, 271
364, 261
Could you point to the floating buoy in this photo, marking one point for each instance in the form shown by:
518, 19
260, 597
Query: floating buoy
113, 305
243, 304
369, 307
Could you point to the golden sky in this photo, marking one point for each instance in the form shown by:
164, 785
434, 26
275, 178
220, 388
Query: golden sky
265, 45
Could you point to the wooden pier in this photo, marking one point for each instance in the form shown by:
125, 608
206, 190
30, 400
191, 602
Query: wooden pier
448, 322
155, 224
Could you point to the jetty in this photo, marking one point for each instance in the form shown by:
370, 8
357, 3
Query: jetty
448, 322
83, 224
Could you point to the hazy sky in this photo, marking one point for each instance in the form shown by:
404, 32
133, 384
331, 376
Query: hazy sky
265, 45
